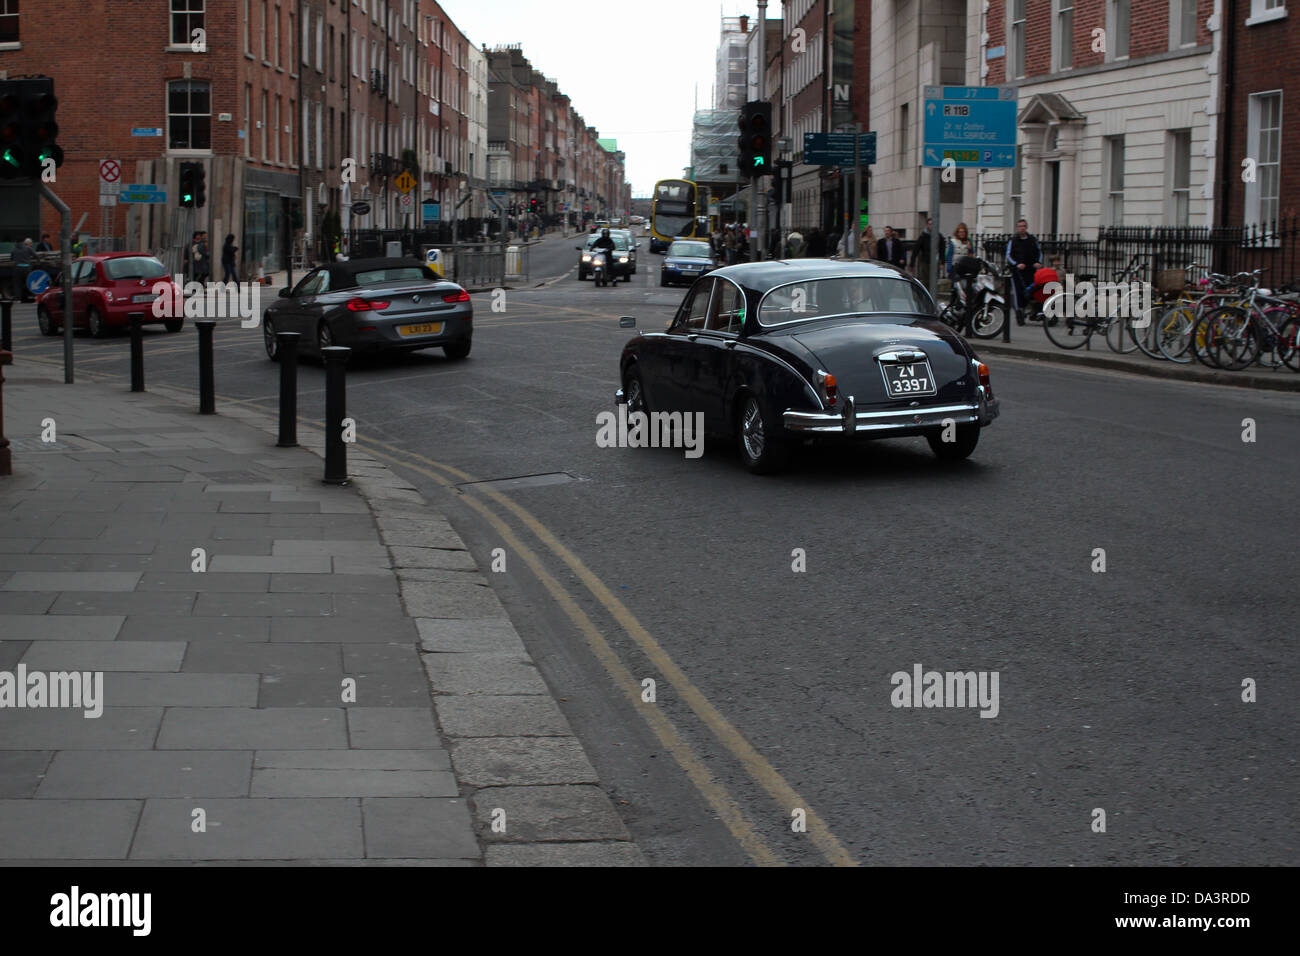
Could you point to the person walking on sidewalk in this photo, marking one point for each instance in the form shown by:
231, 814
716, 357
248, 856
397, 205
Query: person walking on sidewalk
959, 247
23, 257
1024, 256
921, 253
890, 249
228, 252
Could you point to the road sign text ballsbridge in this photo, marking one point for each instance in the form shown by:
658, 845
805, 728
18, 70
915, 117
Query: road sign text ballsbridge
971, 125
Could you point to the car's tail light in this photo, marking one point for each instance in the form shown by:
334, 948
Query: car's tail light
367, 328
458, 296
982, 371
828, 387
366, 305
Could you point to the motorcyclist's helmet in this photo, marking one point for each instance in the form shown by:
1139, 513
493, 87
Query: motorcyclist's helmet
604, 232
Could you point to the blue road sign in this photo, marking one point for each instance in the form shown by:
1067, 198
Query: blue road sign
146, 131
431, 211
971, 125
38, 281
836, 149
142, 192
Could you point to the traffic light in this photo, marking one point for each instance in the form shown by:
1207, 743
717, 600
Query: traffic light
755, 139
28, 127
193, 185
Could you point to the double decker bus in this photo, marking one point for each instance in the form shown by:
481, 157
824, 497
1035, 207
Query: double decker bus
674, 213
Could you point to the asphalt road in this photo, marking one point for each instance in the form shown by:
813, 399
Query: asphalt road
1119, 691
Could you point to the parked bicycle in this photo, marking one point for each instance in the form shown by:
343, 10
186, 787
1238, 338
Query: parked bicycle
1067, 330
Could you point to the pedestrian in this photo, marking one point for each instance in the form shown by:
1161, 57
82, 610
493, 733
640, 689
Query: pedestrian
1042, 278
890, 249
867, 243
730, 245
817, 244
187, 256
959, 247
795, 243
228, 252
1024, 256
921, 253
23, 256
205, 258
44, 244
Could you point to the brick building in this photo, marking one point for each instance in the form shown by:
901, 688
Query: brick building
1117, 112
1259, 37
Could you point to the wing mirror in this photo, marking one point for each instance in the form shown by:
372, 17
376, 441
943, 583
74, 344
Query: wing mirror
286, 292
627, 322
579, 248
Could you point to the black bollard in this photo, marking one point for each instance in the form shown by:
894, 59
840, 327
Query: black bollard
137, 353
286, 350
207, 397
336, 452
6, 326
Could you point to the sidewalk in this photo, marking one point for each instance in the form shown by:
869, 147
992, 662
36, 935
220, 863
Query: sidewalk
1030, 342
339, 686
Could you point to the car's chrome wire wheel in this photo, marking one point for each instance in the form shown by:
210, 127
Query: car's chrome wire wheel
751, 427
635, 397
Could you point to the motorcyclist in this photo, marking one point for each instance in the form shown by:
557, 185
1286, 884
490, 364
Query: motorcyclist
606, 242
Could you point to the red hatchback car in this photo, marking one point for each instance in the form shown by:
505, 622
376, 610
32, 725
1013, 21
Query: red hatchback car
107, 289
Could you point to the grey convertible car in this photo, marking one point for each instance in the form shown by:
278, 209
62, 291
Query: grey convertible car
373, 305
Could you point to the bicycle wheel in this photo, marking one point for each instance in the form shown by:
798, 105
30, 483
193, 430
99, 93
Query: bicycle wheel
1202, 338
1118, 335
1173, 334
1143, 332
1233, 339
1291, 343
1268, 331
1068, 332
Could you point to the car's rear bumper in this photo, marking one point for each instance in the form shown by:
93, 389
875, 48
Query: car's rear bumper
456, 327
910, 421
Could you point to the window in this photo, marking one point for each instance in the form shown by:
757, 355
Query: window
330, 139
265, 28
1113, 176
1264, 142
1016, 40
189, 115
265, 124
904, 129
1262, 11
276, 128
696, 307
1117, 29
320, 44
248, 27
248, 120
306, 36
728, 312
1016, 198
306, 135
288, 124
1180, 188
320, 139
352, 53
1182, 23
1063, 35
276, 35
850, 295
187, 16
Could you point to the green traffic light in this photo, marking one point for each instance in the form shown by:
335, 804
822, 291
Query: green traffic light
11, 159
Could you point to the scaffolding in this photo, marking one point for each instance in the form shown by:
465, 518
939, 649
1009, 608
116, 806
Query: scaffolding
713, 145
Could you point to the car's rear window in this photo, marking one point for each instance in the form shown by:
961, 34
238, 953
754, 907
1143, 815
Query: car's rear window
841, 295
393, 274
134, 267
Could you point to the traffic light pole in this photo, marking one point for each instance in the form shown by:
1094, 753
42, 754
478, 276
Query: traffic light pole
65, 247
760, 195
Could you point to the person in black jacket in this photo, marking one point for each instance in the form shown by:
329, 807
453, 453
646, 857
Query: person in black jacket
228, 253
890, 248
1024, 256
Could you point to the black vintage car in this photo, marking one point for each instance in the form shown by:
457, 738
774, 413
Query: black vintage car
773, 353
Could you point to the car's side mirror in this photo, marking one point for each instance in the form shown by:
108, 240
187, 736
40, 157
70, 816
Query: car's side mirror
627, 322
579, 248
286, 292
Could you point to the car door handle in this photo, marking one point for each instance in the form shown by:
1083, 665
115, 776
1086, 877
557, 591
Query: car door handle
731, 344
692, 337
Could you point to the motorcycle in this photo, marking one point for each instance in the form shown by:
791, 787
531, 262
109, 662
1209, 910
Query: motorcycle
975, 303
601, 270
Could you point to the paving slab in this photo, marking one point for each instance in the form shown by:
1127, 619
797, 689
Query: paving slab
229, 728
485, 716
118, 728
391, 728
543, 814
67, 829
182, 690
405, 828
429, 759
114, 774
465, 674
21, 771
459, 601
250, 829
104, 656
51, 627
144, 627
565, 854
520, 761
352, 783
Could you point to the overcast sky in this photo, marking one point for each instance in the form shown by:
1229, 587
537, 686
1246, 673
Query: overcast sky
630, 67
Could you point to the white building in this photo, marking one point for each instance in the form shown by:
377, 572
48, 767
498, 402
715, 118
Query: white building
477, 167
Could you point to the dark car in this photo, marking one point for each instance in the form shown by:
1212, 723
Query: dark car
772, 353
373, 305
107, 289
622, 263
686, 261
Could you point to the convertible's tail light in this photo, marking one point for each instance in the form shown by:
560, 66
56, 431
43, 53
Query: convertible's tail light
366, 305
459, 296
367, 328
982, 371
828, 386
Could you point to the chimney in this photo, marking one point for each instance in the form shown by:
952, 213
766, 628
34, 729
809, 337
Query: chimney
744, 24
